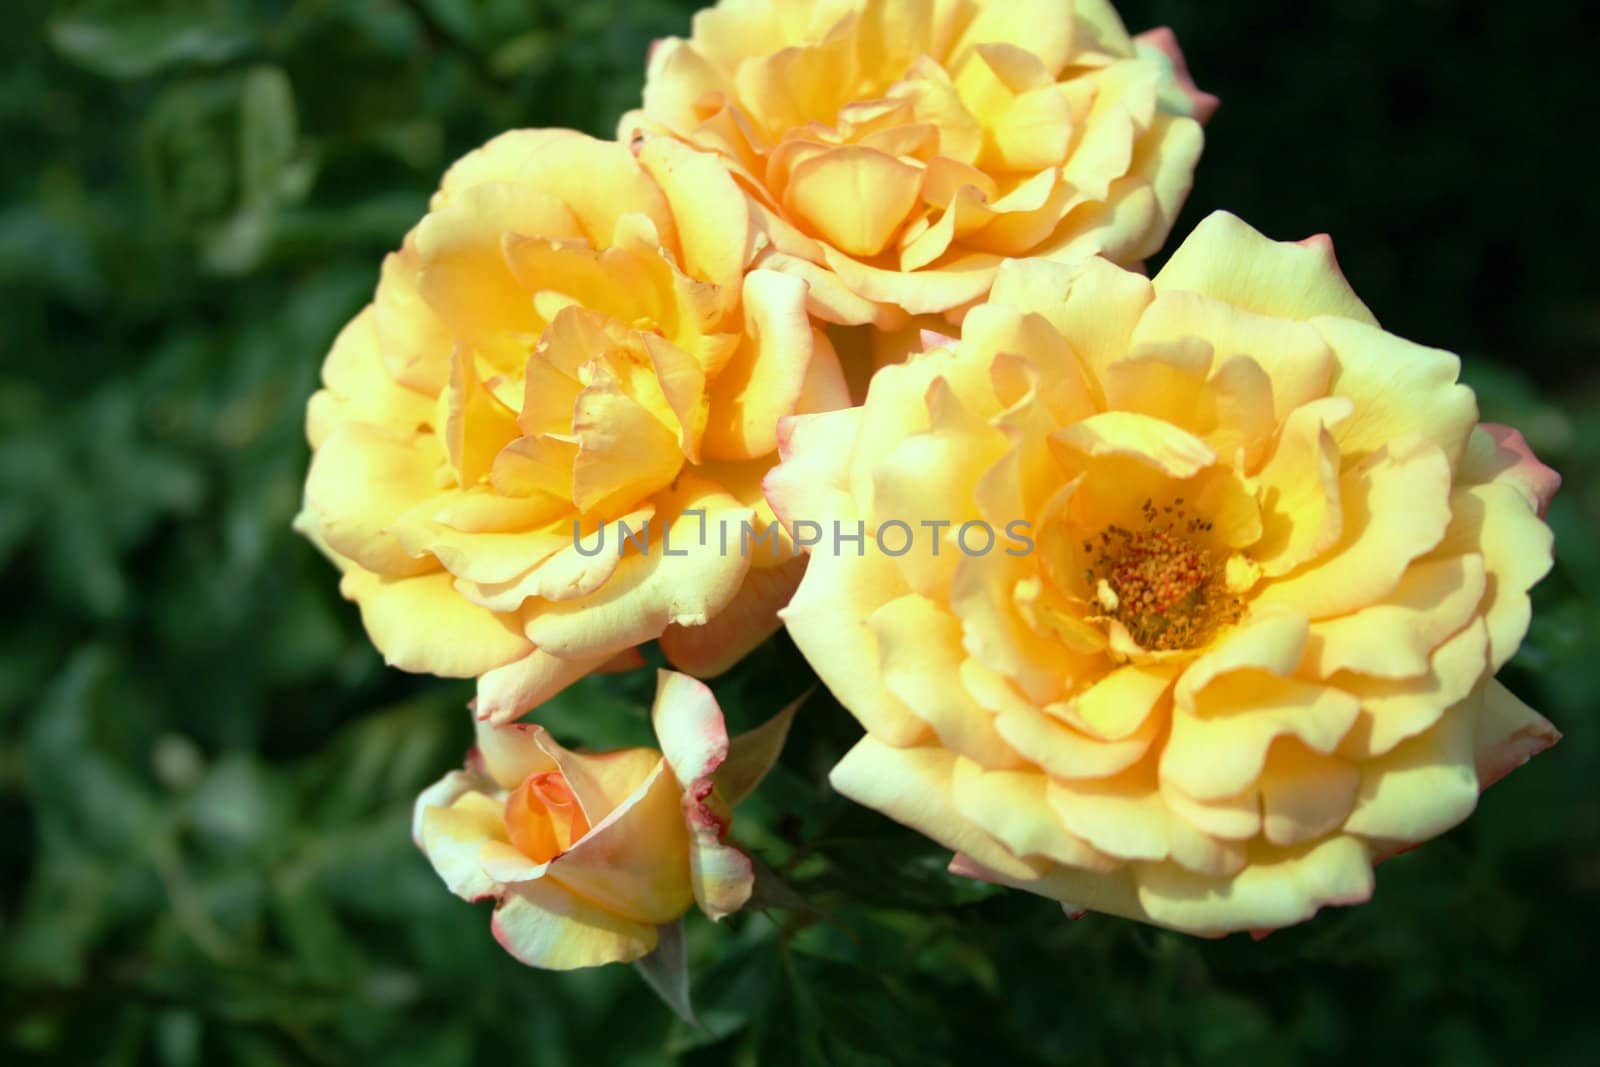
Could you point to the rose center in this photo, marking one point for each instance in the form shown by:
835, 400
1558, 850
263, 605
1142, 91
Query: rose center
543, 817
1160, 580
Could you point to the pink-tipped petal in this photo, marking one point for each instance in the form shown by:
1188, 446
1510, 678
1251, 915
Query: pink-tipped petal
1203, 104
1532, 478
964, 866
1509, 733
688, 723
694, 740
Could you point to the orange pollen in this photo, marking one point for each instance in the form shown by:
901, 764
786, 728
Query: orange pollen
1160, 581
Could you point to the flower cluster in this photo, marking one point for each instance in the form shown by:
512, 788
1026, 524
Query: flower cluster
875, 268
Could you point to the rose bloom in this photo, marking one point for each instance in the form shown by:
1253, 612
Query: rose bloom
569, 339
587, 854
898, 150
1275, 564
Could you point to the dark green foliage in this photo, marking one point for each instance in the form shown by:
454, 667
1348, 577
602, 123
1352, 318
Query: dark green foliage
206, 774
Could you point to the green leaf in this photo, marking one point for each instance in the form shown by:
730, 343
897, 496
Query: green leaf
137, 45
268, 134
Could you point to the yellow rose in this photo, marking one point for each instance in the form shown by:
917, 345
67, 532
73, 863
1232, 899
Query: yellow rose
1241, 640
587, 854
898, 150
569, 341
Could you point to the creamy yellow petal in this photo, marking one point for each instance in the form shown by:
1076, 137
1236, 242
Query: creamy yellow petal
598, 181
763, 381
508, 754
1125, 817
465, 278
854, 198
505, 693
634, 863
1304, 794
1274, 643
1166, 157
915, 786
928, 481
1112, 892
1001, 335
545, 925
415, 345
624, 452
1423, 786
793, 86
536, 466
1235, 818
1012, 807
683, 579
813, 480
1279, 887
919, 647
422, 625
1067, 753
1302, 515
358, 388
452, 822
1227, 259
362, 479
742, 626
1293, 354
1394, 710
723, 877
953, 281
602, 782
473, 425
982, 595
1162, 380
713, 221
1497, 521
1154, 442
1093, 304
1220, 748
1041, 27
688, 722
1393, 639
1396, 506
827, 619
1398, 388
1119, 703
828, 299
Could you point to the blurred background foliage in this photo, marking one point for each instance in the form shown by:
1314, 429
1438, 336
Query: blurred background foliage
206, 773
